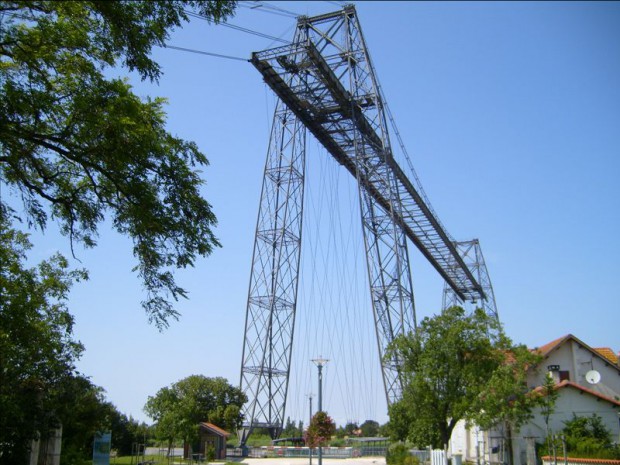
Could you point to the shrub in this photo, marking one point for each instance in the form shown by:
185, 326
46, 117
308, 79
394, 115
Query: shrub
411, 460
397, 453
210, 454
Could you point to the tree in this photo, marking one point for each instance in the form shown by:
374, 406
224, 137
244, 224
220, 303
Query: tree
454, 371
39, 388
350, 428
126, 431
320, 430
37, 349
83, 411
77, 145
179, 409
549, 396
291, 430
369, 428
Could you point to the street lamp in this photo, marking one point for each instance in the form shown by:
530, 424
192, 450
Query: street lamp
320, 363
310, 421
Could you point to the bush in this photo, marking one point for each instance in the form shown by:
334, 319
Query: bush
411, 460
586, 437
210, 454
397, 454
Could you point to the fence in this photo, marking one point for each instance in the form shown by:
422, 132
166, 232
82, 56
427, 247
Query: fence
297, 452
425, 456
576, 461
438, 457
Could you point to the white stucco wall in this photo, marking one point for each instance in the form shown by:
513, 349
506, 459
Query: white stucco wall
577, 359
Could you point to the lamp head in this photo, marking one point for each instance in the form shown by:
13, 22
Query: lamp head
320, 362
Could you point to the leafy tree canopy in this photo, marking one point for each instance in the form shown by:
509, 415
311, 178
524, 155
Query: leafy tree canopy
320, 430
179, 408
77, 146
37, 350
370, 428
453, 371
39, 388
291, 430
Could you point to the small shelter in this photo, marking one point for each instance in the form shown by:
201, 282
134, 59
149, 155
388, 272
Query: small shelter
212, 437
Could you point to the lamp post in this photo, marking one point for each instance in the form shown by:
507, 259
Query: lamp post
320, 363
310, 421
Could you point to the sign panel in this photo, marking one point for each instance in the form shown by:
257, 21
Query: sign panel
101, 448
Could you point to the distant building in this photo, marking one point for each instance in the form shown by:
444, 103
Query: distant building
209, 436
588, 382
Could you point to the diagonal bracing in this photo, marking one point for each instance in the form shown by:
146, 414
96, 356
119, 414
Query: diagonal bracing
471, 253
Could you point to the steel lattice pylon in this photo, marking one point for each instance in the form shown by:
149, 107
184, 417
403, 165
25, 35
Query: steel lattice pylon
326, 83
272, 297
471, 253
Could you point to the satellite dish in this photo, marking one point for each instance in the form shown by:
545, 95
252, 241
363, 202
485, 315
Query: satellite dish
593, 377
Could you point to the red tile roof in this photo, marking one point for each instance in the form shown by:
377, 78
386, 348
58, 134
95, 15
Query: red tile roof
544, 350
567, 383
607, 353
548, 458
215, 429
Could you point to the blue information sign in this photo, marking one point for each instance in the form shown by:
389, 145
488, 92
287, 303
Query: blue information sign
101, 449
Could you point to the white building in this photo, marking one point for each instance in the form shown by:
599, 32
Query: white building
587, 381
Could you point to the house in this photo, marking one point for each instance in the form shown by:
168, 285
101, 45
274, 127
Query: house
212, 437
587, 381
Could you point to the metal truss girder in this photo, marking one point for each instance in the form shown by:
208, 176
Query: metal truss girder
418, 221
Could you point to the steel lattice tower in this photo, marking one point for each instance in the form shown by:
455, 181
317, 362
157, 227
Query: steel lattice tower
326, 84
471, 253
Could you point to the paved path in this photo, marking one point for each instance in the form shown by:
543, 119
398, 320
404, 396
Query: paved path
305, 461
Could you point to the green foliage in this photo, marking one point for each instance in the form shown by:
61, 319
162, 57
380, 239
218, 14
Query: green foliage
255, 440
179, 409
548, 399
384, 430
291, 430
348, 429
455, 371
37, 349
84, 413
370, 428
39, 389
78, 146
210, 453
586, 437
321, 430
397, 453
126, 431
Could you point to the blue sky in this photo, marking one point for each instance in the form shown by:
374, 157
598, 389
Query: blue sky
511, 115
